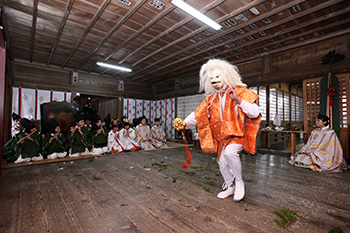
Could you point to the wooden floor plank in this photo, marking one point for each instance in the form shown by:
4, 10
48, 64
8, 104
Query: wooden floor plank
148, 191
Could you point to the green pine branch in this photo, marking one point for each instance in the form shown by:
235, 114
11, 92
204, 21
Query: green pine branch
287, 218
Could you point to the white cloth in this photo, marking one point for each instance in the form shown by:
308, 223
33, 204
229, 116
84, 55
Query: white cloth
127, 139
15, 130
113, 142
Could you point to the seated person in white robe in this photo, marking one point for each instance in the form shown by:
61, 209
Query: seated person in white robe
113, 144
143, 134
127, 137
158, 135
323, 151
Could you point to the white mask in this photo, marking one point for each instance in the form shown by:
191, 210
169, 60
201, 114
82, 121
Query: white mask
215, 79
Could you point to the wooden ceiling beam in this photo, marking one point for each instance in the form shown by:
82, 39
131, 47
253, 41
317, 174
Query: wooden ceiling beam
60, 29
236, 12
275, 11
87, 30
278, 50
173, 28
142, 30
271, 25
110, 33
33, 31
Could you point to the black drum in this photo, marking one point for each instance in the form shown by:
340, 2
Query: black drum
62, 112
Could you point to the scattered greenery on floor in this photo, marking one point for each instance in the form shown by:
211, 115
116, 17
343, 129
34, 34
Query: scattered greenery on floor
96, 178
91, 160
207, 189
161, 166
287, 218
336, 230
122, 205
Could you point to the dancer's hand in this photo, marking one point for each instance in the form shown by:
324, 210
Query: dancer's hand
233, 95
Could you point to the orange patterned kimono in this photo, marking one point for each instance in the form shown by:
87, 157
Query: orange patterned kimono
232, 128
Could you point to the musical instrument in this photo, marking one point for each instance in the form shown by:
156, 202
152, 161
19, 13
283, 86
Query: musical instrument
179, 124
24, 138
62, 112
54, 136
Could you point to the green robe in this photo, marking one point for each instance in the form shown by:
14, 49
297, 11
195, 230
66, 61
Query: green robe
80, 142
29, 149
55, 146
100, 140
10, 148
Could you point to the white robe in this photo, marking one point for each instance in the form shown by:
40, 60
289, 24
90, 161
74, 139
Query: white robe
127, 140
113, 143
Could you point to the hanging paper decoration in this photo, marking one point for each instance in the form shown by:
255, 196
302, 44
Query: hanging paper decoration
329, 95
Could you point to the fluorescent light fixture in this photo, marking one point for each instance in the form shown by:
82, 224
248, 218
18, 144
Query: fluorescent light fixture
114, 66
195, 13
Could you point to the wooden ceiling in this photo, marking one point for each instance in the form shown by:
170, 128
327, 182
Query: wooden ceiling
157, 40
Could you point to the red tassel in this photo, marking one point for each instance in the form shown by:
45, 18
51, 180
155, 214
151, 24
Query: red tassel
188, 152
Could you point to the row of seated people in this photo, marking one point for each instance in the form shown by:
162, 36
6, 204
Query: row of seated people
27, 144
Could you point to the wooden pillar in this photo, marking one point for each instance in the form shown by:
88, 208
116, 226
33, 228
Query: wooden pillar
268, 104
2, 91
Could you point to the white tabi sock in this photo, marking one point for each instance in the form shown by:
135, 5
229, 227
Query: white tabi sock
228, 192
239, 194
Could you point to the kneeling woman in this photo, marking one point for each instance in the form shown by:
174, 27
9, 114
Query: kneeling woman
127, 137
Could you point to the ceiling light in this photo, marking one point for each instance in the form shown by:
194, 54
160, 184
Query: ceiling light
114, 67
195, 13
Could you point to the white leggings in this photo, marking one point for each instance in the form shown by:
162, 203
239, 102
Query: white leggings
230, 163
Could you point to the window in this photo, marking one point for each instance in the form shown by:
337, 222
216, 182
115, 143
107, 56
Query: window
273, 103
286, 105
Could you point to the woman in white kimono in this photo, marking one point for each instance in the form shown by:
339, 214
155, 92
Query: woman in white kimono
113, 140
143, 135
323, 151
158, 135
127, 137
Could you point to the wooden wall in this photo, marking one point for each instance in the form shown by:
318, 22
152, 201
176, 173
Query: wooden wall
42, 77
289, 67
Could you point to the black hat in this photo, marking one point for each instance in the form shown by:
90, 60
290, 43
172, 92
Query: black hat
96, 118
77, 99
88, 117
15, 116
78, 117
52, 124
27, 124
136, 121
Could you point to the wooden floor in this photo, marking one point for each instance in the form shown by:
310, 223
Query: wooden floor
148, 191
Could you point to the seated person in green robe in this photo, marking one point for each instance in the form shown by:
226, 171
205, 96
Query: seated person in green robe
323, 151
98, 134
28, 147
9, 149
79, 138
55, 142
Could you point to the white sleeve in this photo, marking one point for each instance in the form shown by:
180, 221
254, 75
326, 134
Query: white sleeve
250, 109
190, 120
